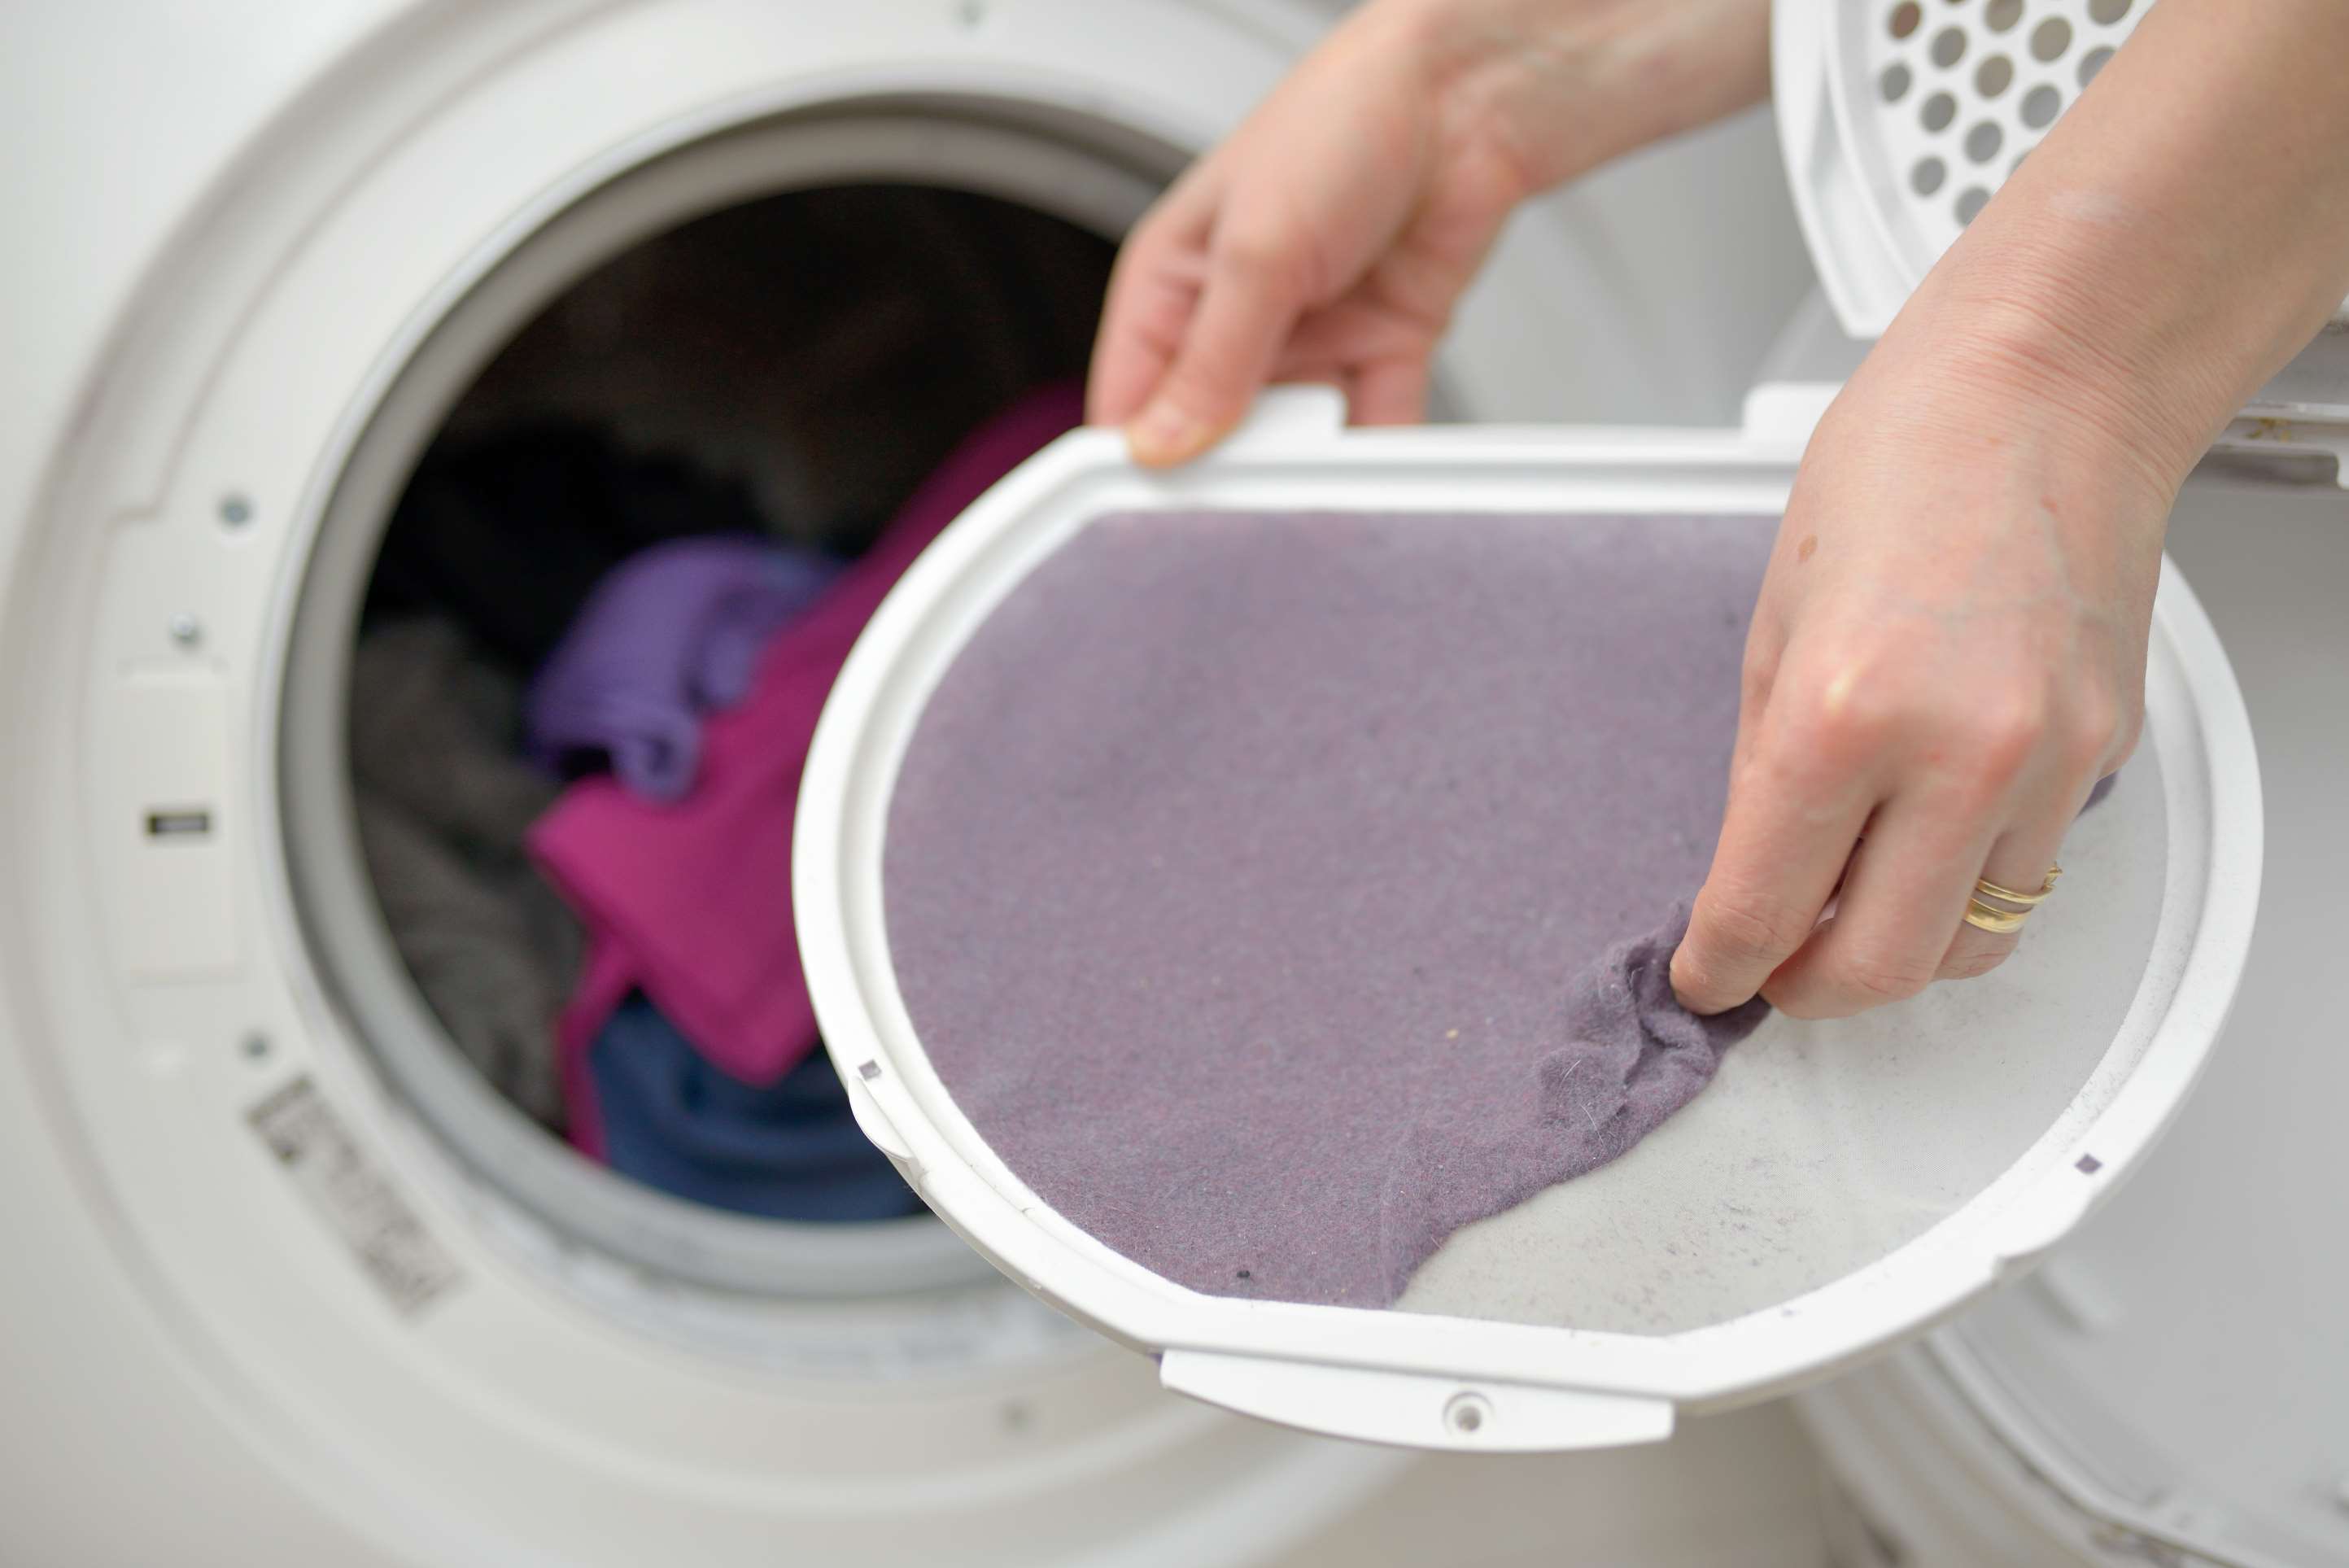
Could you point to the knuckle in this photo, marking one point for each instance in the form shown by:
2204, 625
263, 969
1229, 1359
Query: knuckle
1742, 930
2126, 734
1836, 732
1871, 980
1972, 964
1802, 999
1794, 1005
2003, 733
1266, 254
2094, 731
1842, 703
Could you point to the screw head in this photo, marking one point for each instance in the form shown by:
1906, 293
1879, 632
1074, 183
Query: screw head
1468, 1413
186, 630
235, 511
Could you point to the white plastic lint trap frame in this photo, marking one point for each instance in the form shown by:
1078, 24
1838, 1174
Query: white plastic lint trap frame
1910, 1159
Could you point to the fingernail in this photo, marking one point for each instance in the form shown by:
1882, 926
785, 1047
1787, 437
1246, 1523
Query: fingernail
1164, 433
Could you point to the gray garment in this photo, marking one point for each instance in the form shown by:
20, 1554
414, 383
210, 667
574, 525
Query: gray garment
443, 798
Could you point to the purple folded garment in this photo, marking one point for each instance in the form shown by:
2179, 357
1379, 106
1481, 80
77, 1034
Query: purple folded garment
672, 634
1258, 884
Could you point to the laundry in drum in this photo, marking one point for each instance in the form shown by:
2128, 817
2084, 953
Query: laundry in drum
1279, 893
687, 901
573, 789
442, 799
786, 1150
670, 635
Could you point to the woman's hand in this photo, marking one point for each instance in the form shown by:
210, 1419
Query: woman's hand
1949, 646
1948, 653
1331, 237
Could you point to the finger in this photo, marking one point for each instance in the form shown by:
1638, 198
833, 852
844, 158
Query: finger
1906, 892
1785, 841
1389, 392
2019, 860
1383, 362
1254, 289
1154, 289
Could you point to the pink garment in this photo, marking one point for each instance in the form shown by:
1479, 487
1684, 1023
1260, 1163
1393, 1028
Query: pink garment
691, 902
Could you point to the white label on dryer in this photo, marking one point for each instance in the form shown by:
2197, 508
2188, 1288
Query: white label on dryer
391, 1244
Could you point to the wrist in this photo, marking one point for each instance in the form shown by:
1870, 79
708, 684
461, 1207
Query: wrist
1564, 86
2054, 340
1987, 407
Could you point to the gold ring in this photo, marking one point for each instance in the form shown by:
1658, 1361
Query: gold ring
1988, 917
1998, 922
1989, 889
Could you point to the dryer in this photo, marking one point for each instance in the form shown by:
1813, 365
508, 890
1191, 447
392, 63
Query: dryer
291, 1286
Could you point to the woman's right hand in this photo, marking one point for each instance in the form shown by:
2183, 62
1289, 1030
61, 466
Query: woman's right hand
1328, 239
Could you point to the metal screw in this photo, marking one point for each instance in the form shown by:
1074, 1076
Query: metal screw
186, 630
256, 1046
235, 511
972, 13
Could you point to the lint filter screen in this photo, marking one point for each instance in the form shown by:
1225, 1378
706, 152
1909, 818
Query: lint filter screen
1286, 899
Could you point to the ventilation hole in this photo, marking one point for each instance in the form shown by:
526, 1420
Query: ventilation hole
1894, 82
1940, 109
1982, 141
2092, 62
1992, 77
1948, 46
2003, 14
2050, 38
1905, 17
1972, 203
2108, 11
2041, 105
1926, 178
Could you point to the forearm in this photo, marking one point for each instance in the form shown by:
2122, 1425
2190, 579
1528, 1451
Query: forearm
1569, 85
2180, 234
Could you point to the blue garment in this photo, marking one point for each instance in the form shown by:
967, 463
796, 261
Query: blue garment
790, 1150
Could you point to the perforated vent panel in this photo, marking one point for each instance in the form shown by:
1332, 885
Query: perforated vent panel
1945, 98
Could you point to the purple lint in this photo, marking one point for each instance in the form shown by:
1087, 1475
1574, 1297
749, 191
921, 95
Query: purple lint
1260, 885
